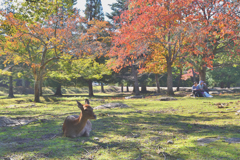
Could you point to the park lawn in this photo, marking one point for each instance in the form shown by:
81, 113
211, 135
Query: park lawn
138, 132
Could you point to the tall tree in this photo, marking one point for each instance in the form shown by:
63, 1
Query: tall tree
40, 45
94, 10
214, 32
148, 23
98, 34
117, 9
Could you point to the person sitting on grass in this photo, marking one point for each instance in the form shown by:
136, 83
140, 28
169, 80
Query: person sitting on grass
203, 89
196, 91
202, 86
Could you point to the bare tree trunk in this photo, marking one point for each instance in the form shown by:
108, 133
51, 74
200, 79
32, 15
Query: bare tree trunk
58, 91
135, 81
222, 84
10, 93
157, 83
169, 80
179, 79
40, 86
102, 88
143, 88
23, 86
202, 74
121, 87
90, 88
36, 90
228, 85
127, 88
194, 77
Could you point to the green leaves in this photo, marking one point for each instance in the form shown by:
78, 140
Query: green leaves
39, 10
90, 69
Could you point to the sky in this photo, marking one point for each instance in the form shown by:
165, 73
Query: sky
81, 5
106, 8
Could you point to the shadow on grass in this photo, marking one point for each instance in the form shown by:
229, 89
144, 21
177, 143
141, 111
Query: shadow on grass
45, 139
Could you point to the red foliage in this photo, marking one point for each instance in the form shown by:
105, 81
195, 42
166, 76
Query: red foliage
188, 75
177, 27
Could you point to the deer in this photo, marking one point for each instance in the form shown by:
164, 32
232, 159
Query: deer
76, 126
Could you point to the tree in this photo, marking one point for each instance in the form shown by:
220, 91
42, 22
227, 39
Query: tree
147, 23
117, 9
41, 45
214, 32
90, 70
60, 74
40, 10
94, 10
223, 76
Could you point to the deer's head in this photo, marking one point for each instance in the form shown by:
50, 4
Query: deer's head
87, 110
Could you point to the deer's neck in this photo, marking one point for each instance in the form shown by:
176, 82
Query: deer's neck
81, 122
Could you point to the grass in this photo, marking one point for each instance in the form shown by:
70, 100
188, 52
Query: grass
139, 132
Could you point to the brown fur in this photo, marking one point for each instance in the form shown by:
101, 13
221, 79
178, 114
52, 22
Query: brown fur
76, 126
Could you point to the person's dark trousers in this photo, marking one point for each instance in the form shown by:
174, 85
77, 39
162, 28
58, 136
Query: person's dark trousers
197, 94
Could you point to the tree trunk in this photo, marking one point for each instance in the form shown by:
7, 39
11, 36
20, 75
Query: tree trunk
10, 93
40, 86
179, 80
36, 90
121, 87
143, 88
135, 80
90, 88
157, 83
222, 84
23, 86
202, 74
102, 88
228, 84
169, 80
58, 91
194, 77
127, 88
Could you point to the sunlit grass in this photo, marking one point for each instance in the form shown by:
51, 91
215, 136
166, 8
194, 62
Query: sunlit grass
142, 130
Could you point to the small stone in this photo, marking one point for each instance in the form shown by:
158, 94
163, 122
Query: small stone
169, 142
96, 138
11, 106
136, 96
111, 105
232, 140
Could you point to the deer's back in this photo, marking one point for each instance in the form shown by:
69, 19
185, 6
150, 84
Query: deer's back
71, 118
69, 127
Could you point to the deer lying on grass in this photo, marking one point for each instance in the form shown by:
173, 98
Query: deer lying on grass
76, 126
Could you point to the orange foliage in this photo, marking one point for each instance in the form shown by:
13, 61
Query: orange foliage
55, 38
154, 34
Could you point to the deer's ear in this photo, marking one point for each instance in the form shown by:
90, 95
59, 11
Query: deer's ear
87, 101
80, 105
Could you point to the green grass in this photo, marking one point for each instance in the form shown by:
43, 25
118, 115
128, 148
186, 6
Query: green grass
141, 131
